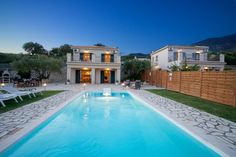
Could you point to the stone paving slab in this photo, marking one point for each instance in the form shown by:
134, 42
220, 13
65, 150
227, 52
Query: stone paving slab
220, 128
16, 119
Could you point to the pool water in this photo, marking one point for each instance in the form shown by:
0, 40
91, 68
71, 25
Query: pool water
117, 126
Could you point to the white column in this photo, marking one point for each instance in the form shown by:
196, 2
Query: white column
205, 57
68, 73
222, 58
93, 57
68, 57
118, 75
118, 59
180, 56
93, 76
202, 56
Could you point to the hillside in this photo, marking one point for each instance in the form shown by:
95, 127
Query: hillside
220, 44
132, 55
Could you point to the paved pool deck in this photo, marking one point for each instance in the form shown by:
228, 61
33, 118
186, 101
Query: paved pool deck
216, 132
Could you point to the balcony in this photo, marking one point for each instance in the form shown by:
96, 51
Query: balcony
197, 57
95, 61
206, 59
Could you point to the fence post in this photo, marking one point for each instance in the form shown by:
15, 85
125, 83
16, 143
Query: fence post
234, 88
156, 78
160, 72
200, 92
180, 81
167, 79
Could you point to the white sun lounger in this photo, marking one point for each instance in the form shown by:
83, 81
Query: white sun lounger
35, 91
13, 90
4, 97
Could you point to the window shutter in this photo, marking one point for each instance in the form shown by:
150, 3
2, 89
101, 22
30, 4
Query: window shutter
112, 76
102, 76
193, 56
90, 57
103, 57
175, 53
112, 58
81, 57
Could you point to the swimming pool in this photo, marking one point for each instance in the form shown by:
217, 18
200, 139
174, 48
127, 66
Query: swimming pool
115, 126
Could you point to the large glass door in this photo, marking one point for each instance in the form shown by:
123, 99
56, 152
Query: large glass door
86, 76
107, 76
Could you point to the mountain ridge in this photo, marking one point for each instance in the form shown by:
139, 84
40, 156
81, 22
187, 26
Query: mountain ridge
225, 43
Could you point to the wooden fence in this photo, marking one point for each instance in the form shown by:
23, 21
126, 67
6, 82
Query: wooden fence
215, 86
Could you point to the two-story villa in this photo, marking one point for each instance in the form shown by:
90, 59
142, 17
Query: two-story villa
178, 55
93, 64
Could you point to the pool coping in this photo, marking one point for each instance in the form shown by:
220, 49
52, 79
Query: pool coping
197, 133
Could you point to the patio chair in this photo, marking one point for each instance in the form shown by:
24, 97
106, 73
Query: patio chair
19, 93
4, 97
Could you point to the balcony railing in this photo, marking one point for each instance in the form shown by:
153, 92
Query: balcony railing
76, 59
203, 57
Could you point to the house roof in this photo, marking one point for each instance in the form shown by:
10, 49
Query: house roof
181, 47
95, 48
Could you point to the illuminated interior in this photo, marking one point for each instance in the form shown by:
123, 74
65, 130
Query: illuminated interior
86, 76
107, 76
107, 58
86, 57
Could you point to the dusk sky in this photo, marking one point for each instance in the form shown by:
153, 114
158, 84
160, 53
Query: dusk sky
133, 26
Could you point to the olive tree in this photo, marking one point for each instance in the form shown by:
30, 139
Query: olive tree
34, 48
42, 65
134, 68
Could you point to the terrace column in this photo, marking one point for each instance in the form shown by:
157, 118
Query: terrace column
205, 57
93, 58
68, 73
118, 75
202, 56
222, 58
68, 57
93, 77
180, 56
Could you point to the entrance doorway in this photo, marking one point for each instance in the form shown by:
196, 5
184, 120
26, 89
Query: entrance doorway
86, 76
107, 76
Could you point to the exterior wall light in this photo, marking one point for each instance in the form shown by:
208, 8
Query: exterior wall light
45, 86
2, 84
179, 50
84, 86
170, 76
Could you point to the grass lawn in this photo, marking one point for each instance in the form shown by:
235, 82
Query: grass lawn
214, 108
11, 104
